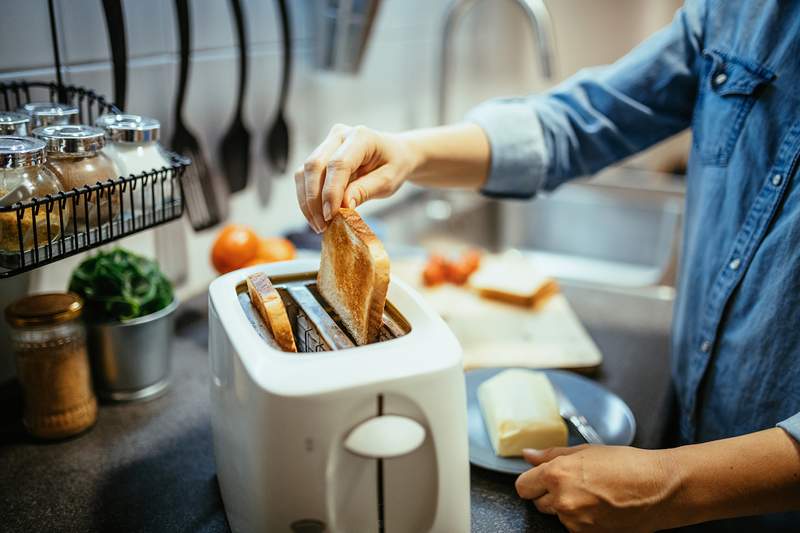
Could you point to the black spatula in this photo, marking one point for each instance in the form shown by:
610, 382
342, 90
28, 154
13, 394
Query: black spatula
206, 198
62, 95
276, 148
234, 152
115, 24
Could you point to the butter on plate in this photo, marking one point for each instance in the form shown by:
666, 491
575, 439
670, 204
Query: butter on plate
520, 410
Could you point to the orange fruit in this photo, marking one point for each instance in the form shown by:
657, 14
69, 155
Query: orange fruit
235, 245
272, 249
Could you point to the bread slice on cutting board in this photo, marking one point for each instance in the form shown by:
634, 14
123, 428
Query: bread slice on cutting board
496, 334
270, 306
354, 275
513, 279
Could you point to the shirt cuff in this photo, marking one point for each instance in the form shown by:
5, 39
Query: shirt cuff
519, 155
792, 426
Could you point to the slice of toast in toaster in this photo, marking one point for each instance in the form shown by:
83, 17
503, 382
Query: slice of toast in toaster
354, 275
270, 306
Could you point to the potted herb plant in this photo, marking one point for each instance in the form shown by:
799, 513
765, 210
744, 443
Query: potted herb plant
129, 310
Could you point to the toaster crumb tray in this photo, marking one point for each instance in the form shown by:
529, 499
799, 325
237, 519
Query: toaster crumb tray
315, 325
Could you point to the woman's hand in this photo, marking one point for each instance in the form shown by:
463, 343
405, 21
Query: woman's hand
617, 488
600, 488
355, 164
351, 166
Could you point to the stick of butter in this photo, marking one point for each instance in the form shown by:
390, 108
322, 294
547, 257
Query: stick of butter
520, 410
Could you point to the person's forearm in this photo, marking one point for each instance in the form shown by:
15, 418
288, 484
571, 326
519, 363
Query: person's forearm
449, 156
753, 474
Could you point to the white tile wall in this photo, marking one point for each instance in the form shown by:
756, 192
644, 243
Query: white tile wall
25, 45
395, 90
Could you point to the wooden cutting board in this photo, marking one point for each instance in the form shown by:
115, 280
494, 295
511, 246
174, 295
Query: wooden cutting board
495, 334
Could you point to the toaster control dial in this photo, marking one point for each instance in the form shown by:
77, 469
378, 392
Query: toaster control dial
384, 437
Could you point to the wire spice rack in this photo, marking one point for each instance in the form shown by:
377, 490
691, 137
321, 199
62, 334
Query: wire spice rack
62, 224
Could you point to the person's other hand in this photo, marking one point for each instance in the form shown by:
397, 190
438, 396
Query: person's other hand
599, 488
351, 166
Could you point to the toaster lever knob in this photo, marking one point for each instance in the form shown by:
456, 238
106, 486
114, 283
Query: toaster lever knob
384, 437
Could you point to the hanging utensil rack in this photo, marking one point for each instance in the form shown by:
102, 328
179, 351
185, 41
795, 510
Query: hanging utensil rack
129, 204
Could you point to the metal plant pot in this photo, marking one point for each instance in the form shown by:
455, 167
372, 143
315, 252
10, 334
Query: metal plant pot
131, 360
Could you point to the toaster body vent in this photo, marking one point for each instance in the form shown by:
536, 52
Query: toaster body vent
316, 326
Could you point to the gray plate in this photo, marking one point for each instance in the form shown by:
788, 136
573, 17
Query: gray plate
606, 411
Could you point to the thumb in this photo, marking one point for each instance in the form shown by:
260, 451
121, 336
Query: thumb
376, 184
537, 457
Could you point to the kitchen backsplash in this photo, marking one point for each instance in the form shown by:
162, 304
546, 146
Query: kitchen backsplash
395, 89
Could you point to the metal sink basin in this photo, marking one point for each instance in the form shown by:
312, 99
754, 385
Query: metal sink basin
620, 230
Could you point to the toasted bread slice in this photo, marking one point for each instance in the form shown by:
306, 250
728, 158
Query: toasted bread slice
513, 280
270, 306
354, 275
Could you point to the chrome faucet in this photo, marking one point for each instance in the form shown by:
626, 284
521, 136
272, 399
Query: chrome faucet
540, 22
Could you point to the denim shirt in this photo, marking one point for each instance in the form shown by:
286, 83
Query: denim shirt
730, 71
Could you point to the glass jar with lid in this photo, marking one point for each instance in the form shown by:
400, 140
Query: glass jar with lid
134, 148
12, 123
50, 113
74, 155
22, 177
52, 362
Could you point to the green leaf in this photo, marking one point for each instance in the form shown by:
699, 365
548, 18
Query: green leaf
119, 285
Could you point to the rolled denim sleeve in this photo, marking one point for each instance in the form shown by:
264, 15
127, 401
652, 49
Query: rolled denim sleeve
519, 153
597, 117
792, 426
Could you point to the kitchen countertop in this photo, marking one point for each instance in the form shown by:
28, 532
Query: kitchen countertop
150, 466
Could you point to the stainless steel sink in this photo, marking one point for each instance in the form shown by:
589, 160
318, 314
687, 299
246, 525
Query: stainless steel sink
620, 230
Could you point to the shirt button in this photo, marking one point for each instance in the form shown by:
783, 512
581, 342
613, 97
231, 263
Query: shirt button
705, 347
777, 179
735, 264
720, 78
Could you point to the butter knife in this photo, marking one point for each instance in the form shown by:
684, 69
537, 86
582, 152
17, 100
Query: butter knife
570, 413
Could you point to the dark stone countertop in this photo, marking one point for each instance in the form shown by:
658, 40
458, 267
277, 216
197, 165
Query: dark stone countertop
150, 466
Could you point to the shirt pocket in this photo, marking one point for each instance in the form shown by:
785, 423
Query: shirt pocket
729, 88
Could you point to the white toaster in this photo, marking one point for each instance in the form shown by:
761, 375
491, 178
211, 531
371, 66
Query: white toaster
339, 439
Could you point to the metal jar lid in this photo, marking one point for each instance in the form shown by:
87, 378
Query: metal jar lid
71, 139
44, 309
12, 123
20, 152
48, 113
130, 128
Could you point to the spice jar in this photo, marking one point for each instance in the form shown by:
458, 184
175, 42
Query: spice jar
134, 148
50, 113
74, 155
49, 341
134, 143
22, 177
12, 123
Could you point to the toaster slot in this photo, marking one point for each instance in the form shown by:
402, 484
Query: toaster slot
315, 325
305, 335
391, 328
322, 326
254, 318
